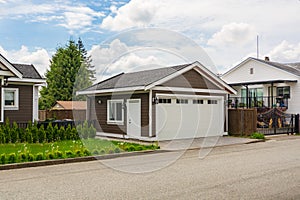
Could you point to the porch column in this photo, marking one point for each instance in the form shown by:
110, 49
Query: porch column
247, 96
272, 95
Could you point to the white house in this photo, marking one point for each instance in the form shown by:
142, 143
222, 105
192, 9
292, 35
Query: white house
264, 83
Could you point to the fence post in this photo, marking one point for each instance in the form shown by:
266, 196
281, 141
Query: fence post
297, 123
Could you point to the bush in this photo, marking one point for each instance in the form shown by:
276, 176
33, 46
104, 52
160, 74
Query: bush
111, 151
35, 133
78, 153
92, 131
59, 154
69, 154
42, 134
50, 155
95, 152
22, 157
102, 151
117, 150
130, 148
49, 132
3, 158
14, 133
30, 157
62, 132
39, 156
257, 136
86, 152
12, 158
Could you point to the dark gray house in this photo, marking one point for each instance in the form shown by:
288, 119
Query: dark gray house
185, 101
19, 91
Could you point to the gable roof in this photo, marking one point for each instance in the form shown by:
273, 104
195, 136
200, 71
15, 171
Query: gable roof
293, 68
10, 67
147, 79
70, 105
28, 71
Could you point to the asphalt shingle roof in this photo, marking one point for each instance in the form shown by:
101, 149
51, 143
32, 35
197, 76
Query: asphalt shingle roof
293, 68
134, 79
28, 71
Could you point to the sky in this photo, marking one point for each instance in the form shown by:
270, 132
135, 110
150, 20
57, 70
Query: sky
128, 35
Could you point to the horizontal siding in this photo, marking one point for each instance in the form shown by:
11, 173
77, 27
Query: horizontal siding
99, 112
24, 114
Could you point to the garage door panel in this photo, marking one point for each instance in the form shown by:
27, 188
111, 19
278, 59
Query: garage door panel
179, 121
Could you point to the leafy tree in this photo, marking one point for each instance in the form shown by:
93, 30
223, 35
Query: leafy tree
70, 70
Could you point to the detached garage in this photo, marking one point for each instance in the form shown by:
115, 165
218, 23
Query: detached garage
184, 101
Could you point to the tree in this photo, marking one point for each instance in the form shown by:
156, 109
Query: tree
70, 70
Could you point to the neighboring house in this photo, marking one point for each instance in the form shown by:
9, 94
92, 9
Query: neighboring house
69, 105
19, 91
265, 84
185, 101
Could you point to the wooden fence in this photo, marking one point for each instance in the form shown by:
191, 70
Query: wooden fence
78, 115
242, 122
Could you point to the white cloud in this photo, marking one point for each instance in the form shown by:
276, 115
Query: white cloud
285, 52
39, 58
233, 34
130, 15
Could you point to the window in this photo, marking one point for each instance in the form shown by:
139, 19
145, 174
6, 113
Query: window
210, 101
251, 71
198, 101
11, 98
283, 92
182, 101
168, 101
115, 112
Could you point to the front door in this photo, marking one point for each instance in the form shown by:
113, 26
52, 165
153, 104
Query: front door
134, 117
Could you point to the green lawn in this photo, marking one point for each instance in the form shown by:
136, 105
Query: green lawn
65, 149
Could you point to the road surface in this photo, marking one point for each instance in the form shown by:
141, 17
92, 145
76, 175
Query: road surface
269, 170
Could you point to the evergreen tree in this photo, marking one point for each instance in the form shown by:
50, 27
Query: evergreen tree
70, 70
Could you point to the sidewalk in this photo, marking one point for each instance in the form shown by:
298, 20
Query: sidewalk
207, 142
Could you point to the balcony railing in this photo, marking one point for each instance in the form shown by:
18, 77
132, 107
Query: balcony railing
258, 102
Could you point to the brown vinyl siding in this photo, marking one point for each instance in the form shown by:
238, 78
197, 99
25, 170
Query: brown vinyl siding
99, 112
24, 113
190, 79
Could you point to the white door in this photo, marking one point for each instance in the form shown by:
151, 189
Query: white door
189, 118
134, 117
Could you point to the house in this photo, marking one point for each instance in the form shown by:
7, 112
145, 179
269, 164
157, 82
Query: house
184, 101
19, 91
265, 84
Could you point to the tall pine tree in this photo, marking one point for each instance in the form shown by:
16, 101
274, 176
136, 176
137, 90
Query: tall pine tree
70, 70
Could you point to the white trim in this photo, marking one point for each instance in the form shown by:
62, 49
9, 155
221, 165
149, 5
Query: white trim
108, 121
123, 136
10, 67
127, 116
26, 80
2, 106
150, 113
6, 73
110, 90
16, 99
179, 89
35, 103
189, 96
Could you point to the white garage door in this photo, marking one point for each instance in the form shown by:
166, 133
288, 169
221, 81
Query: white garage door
189, 117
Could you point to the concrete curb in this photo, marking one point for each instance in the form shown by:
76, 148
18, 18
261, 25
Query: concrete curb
74, 160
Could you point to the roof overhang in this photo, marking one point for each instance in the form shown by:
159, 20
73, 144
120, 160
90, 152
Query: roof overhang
27, 80
262, 82
10, 67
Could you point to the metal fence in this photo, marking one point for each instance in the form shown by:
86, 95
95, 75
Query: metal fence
258, 102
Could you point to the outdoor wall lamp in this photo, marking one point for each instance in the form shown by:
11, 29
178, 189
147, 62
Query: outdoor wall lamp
155, 100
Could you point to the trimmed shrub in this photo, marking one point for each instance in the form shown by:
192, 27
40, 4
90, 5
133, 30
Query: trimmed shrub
35, 133
95, 152
22, 157
102, 151
14, 133
130, 148
69, 154
68, 132
2, 137
117, 150
62, 132
42, 134
111, 151
78, 153
39, 156
86, 152
12, 158
30, 157
74, 134
257, 136
92, 131
56, 133
50, 155
3, 158
59, 154
49, 132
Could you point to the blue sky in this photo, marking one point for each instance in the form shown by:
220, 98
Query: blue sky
225, 29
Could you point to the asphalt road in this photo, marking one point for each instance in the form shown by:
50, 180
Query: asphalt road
269, 170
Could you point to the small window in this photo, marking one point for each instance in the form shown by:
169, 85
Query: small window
11, 98
251, 71
182, 101
115, 112
210, 101
284, 92
198, 101
165, 101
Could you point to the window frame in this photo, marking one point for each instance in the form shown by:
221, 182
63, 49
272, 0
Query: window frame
115, 101
212, 101
16, 99
198, 101
283, 88
182, 101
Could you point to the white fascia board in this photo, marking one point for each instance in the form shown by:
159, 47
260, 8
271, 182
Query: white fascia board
110, 90
179, 89
189, 96
10, 67
26, 80
236, 67
6, 73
